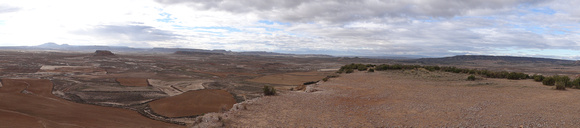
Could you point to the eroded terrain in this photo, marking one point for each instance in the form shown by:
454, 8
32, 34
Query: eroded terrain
149, 84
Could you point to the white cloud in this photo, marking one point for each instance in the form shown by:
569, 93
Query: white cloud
367, 27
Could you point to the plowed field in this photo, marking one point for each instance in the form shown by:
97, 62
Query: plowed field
30, 103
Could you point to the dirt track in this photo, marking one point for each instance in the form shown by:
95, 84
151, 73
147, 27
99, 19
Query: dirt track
403, 99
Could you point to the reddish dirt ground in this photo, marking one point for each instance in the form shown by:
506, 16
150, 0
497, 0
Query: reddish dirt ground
37, 107
133, 82
296, 78
194, 103
415, 99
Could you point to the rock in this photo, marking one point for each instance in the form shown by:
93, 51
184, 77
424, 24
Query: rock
310, 89
209, 120
300, 87
238, 106
104, 53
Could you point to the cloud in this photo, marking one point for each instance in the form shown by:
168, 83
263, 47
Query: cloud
8, 9
349, 10
340, 27
426, 27
130, 33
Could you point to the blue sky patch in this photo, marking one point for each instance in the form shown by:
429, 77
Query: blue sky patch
544, 10
268, 22
167, 18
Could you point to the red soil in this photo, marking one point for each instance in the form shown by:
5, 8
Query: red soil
37, 107
194, 103
296, 78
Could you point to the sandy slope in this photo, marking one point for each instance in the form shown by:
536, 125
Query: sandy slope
411, 99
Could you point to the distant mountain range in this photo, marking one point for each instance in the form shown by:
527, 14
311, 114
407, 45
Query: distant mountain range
470, 59
400, 58
75, 48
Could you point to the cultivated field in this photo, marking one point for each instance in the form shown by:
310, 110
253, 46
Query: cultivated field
194, 103
30, 103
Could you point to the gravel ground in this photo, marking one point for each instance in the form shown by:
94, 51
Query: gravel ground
414, 99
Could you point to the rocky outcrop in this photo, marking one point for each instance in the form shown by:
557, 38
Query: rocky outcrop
104, 53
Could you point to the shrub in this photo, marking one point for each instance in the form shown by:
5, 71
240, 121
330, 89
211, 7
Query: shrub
549, 81
371, 70
349, 71
538, 78
471, 71
471, 78
362, 68
560, 85
576, 83
269, 90
563, 80
516, 76
329, 76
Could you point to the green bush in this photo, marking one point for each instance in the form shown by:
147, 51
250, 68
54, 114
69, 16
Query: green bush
560, 85
549, 81
371, 70
575, 83
361, 68
269, 90
349, 71
563, 80
538, 78
557, 80
516, 76
471, 78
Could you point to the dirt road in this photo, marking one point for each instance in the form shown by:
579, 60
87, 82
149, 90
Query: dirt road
415, 99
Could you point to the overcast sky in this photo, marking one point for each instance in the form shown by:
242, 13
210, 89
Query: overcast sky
540, 28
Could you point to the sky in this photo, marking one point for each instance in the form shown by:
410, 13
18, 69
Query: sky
434, 28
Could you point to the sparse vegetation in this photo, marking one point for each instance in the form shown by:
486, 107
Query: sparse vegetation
269, 90
576, 83
349, 71
329, 76
560, 85
561, 82
549, 81
486, 73
538, 78
471, 78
